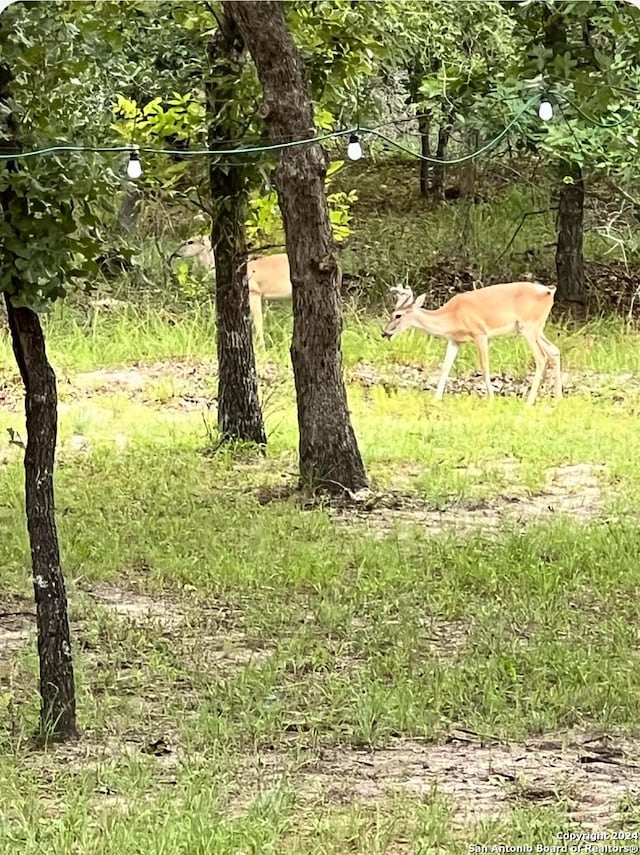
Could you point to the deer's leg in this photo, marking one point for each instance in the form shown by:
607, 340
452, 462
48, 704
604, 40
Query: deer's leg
553, 356
540, 357
482, 344
449, 358
255, 305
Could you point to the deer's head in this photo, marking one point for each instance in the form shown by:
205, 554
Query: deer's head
405, 313
194, 247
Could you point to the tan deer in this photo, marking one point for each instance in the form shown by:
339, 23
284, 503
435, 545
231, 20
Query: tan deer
268, 277
482, 314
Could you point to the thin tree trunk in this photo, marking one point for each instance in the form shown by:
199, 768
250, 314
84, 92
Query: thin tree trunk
425, 149
239, 412
329, 454
570, 228
129, 209
415, 73
468, 171
439, 169
58, 710
57, 688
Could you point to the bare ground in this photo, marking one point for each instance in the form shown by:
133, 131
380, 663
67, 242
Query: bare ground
587, 776
188, 384
573, 490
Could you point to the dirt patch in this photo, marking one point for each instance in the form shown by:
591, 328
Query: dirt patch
224, 648
573, 490
138, 607
588, 777
11, 394
396, 376
175, 383
17, 622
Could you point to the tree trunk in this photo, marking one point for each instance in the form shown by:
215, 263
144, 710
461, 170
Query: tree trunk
444, 132
415, 73
239, 412
570, 226
129, 209
329, 454
425, 149
58, 710
57, 688
468, 170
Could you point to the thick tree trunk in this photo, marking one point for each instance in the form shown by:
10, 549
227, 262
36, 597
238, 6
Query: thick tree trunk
58, 711
329, 454
570, 227
239, 412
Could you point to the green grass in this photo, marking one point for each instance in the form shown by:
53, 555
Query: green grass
279, 651
285, 634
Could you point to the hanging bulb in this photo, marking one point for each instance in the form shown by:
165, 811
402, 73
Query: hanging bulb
545, 111
354, 149
134, 167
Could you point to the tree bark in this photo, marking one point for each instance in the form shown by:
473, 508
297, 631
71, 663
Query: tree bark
57, 688
424, 129
570, 229
329, 454
439, 169
58, 710
416, 74
468, 170
129, 209
239, 412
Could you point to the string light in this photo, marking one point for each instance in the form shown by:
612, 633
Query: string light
545, 111
134, 167
354, 149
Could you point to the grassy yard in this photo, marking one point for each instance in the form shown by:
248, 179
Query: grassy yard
455, 662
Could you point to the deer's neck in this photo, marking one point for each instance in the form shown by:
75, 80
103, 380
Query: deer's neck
435, 322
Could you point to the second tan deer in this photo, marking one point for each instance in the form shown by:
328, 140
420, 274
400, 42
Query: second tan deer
268, 277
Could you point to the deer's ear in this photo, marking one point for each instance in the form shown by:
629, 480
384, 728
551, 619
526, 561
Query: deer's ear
419, 301
404, 297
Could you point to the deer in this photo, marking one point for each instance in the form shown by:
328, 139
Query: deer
268, 277
478, 316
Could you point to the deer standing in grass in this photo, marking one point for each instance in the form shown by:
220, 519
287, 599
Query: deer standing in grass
268, 278
480, 315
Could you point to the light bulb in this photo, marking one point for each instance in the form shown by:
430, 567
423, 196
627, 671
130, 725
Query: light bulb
354, 149
134, 167
545, 111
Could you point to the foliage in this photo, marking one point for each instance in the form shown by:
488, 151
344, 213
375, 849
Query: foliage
585, 57
183, 118
342, 44
51, 232
451, 58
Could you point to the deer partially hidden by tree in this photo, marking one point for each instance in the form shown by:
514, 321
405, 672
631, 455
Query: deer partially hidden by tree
268, 277
482, 314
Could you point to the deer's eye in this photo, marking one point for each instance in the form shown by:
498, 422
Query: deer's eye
398, 315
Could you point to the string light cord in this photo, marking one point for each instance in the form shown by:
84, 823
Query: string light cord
486, 147
127, 149
595, 122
